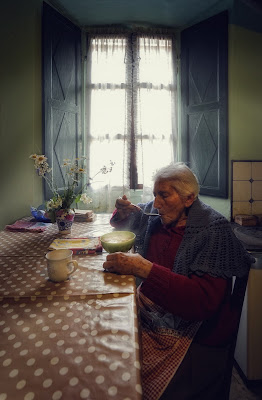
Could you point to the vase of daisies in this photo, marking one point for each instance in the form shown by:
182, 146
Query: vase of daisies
60, 208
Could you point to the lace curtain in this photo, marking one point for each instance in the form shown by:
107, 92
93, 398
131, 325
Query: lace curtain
130, 109
155, 118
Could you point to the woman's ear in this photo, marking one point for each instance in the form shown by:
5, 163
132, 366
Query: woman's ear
190, 200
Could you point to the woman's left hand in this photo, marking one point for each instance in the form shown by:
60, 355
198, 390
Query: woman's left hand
128, 263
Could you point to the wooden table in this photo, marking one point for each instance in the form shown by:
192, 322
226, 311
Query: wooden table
72, 340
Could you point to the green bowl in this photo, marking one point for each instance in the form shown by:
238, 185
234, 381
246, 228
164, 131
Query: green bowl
118, 241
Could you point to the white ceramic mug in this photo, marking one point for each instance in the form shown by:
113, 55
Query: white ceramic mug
58, 265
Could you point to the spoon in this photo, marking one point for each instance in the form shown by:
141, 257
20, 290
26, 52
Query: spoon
151, 214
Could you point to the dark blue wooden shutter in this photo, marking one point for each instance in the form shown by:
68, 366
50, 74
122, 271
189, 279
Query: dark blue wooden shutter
61, 92
204, 120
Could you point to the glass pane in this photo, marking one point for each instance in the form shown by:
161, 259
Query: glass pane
155, 65
155, 113
108, 60
103, 152
151, 156
107, 112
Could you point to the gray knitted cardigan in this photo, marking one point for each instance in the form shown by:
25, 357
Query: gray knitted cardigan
209, 244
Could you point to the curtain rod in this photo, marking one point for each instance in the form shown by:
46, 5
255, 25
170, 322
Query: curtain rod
128, 29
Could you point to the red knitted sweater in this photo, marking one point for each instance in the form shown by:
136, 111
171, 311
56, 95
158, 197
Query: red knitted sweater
195, 297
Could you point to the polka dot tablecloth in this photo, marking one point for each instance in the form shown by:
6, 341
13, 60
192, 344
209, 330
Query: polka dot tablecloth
27, 276
37, 243
72, 340
74, 348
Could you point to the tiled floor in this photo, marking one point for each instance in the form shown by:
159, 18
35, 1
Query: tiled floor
239, 391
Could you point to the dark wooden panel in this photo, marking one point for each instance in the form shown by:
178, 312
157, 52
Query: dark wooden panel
61, 91
204, 103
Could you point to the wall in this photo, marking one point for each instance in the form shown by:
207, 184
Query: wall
244, 103
245, 94
20, 107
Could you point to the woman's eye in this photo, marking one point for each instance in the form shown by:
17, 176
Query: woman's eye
161, 195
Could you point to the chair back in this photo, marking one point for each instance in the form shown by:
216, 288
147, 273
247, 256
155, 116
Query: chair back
238, 295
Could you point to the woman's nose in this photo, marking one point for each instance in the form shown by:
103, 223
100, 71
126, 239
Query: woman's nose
157, 202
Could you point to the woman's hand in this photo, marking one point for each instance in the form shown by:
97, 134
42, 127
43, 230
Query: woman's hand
128, 263
125, 207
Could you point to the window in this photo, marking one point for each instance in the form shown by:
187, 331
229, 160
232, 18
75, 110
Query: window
130, 106
137, 129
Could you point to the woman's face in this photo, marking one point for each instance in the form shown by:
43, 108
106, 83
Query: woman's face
171, 206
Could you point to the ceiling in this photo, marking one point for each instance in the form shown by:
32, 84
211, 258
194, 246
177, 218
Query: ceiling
166, 13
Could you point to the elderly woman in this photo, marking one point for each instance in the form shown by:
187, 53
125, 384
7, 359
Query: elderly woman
186, 256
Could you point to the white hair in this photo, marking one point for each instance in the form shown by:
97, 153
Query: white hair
181, 178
